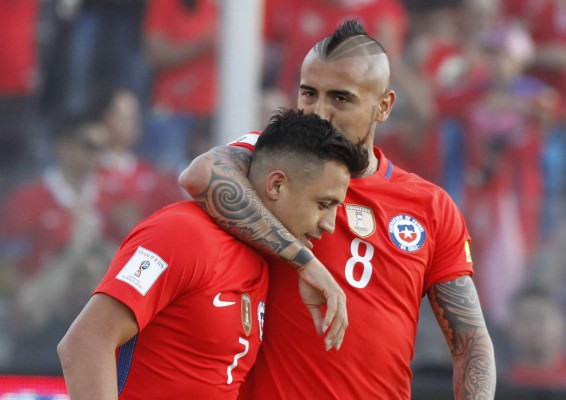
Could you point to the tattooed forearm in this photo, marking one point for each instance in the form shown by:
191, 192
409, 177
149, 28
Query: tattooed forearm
230, 200
458, 311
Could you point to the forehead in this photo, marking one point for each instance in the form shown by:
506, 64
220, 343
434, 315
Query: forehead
353, 74
351, 69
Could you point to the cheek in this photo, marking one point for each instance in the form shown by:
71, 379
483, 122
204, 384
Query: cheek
306, 218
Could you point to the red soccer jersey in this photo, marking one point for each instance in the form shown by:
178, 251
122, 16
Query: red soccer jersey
198, 296
395, 236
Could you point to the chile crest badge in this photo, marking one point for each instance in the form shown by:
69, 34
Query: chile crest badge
406, 232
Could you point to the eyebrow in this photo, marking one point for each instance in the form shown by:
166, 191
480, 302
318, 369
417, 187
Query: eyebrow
334, 92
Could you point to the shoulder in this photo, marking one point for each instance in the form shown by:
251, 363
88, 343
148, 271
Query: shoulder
410, 186
182, 222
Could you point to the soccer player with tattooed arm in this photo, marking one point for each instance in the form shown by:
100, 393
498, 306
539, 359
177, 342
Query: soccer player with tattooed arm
397, 239
180, 311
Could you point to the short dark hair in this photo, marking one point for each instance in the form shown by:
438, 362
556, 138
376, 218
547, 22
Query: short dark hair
310, 136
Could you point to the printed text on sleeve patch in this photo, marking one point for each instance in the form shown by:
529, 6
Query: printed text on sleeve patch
142, 270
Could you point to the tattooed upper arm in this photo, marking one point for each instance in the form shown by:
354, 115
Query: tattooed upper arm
197, 177
234, 158
234, 205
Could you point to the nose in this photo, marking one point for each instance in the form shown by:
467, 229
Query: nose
328, 221
323, 110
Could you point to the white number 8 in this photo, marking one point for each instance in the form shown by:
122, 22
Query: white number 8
357, 258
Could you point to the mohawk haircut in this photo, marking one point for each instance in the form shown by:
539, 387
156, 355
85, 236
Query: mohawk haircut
350, 39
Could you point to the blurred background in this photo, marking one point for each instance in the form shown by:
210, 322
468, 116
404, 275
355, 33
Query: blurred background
104, 102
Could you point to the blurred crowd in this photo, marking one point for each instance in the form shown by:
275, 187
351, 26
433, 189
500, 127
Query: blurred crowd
103, 102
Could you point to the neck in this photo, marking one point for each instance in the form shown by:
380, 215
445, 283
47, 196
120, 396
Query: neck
373, 163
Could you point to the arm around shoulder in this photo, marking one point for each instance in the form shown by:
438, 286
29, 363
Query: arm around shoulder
87, 351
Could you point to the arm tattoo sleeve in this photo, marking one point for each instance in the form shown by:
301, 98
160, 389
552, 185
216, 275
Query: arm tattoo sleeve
458, 312
231, 201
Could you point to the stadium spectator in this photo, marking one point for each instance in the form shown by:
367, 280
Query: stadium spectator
180, 40
505, 128
545, 21
41, 217
184, 297
132, 187
444, 51
41, 220
104, 47
398, 238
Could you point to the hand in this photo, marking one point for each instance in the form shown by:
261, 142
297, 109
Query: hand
317, 287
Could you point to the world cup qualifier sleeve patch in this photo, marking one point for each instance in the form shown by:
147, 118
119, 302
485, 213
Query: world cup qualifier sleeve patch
142, 270
406, 232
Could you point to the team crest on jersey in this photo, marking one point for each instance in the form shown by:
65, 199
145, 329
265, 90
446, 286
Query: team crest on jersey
260, 318
406, 232
246, 314
360, 220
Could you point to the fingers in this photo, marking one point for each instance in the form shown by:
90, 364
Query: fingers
337, 319
317, 287
317, 318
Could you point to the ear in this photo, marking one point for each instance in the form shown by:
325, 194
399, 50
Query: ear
385, 105
275, 181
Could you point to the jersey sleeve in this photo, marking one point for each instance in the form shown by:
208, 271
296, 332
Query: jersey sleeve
151, 268
248, 140
451, 256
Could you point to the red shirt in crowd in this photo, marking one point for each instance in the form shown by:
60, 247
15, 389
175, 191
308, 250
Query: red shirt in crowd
189, 87
18, 48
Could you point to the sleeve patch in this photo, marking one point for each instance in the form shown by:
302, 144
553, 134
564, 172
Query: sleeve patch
142, 270
467, 250
248, 138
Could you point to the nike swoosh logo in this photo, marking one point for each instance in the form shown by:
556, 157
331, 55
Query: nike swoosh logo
219, 303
